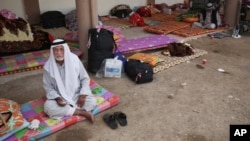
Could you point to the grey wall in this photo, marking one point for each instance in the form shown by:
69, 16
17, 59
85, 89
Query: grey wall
66, 6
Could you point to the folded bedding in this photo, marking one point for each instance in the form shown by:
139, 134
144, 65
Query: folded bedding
17, 36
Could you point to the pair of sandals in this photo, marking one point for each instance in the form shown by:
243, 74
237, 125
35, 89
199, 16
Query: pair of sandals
110, 119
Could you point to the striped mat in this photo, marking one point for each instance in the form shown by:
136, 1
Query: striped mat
27, 61
166, 27
170, 61
194, 31
34, 110
117, 22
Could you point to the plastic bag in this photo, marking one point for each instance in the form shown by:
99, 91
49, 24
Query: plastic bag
111, 67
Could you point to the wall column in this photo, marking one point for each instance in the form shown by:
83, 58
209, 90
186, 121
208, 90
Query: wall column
232, 12
86, 19
150, 1
94, 13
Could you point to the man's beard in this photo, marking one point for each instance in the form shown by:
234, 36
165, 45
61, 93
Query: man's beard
59, 58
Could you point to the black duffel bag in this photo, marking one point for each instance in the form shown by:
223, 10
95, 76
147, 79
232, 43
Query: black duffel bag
139, 72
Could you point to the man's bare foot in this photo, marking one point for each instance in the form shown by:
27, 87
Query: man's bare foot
89, 116
86, 114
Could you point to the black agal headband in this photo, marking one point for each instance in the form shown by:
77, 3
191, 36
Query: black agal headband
58, 43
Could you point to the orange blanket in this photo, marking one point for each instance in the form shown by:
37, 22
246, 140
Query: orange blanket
166, 27
192, 31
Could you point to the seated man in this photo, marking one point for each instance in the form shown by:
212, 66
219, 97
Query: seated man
209, 18
66, 83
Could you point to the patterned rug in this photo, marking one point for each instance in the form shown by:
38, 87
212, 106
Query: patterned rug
162, 17
34, 110
166, 27
57, 32
192, 31
27, 61
168, 61
118, 22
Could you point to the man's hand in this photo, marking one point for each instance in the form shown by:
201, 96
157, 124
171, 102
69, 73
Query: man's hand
60, 101
81, 100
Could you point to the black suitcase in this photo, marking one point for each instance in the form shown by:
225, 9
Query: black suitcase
101, 48
52, 19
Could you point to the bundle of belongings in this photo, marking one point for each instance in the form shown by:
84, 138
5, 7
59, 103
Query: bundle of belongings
71, 21
17, 36
136, 19
121, 11
52, 19
11, 118
178, 49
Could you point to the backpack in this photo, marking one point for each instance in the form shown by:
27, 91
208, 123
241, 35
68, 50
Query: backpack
52, 19
100, 48
139, 72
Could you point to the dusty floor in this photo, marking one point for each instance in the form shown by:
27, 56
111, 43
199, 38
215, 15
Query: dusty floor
201, 110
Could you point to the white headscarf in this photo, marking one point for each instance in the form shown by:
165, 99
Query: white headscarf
71, 64
210, 6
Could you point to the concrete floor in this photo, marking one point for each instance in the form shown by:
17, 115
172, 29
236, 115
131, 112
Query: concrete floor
134, 32
201, 110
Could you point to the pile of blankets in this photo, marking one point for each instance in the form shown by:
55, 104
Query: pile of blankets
17, 36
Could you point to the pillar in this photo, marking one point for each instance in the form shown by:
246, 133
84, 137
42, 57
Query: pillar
86, 18
150, 1
94, 13
232, 12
